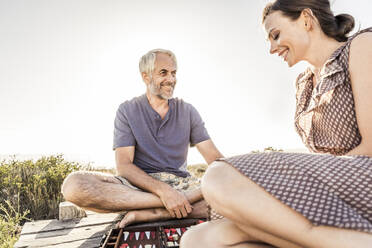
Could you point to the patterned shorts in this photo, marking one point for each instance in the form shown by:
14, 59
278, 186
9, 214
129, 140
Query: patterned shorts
176, 182
183, 184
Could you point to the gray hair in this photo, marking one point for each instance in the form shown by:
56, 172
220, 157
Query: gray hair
147, 61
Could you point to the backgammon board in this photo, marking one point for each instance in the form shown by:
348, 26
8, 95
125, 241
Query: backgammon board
164, 234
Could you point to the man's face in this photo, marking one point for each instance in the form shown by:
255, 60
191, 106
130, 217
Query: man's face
163, 79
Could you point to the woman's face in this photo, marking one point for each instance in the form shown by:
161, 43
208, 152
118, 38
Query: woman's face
289, 39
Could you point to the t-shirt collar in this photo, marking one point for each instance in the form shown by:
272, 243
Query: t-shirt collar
146, 103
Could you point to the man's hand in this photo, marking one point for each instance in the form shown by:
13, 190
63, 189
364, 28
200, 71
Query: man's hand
175, 202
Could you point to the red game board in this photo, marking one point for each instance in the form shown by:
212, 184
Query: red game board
165, 234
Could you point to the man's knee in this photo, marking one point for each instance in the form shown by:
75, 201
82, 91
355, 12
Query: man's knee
72, 186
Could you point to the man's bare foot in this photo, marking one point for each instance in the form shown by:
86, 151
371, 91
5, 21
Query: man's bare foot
144, 215
147, 215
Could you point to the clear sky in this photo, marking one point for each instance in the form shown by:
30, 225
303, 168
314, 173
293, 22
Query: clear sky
66, 65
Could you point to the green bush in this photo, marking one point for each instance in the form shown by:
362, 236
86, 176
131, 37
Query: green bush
268, 149
10, 224
31, 191
35, 185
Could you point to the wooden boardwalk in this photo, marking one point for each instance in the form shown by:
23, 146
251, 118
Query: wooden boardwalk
84, 232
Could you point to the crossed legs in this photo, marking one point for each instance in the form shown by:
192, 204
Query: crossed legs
256, 216
104, 193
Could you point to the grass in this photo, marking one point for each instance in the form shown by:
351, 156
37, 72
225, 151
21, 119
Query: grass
30, 190
197, 170
35, 186
10, 224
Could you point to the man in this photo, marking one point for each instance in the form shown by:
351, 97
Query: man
151, 138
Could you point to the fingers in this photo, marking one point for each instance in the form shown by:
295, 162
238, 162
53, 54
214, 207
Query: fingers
184, 209
169, 209
178, 213
188, 207
177, 204
172, 212
183, 212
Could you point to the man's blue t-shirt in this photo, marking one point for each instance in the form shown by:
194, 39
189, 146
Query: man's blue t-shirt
161, 145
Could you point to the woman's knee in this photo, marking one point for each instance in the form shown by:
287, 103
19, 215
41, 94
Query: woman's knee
197, 236
214, 181
189, 239
218, 233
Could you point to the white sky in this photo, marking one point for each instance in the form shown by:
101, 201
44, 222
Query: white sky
66, 65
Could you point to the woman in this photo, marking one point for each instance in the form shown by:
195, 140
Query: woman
304, 200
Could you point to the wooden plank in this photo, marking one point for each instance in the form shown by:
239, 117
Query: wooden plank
86, 232
52, 225
88, 243
59, 237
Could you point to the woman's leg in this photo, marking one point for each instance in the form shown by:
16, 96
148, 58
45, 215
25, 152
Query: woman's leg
252, 209
218, 234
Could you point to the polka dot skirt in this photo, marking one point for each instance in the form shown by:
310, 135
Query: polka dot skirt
326, 189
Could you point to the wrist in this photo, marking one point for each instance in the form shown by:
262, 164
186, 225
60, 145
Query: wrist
161, 188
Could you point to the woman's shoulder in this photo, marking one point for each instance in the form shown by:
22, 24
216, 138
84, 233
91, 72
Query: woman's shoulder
362, 39
361, 49
360, 60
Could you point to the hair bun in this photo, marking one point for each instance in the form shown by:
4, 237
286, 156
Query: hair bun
345, 23
336, 27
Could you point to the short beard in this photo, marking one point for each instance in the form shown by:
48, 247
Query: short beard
156, 90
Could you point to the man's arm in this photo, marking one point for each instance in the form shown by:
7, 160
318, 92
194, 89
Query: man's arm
199, 137
209, 151
175, 202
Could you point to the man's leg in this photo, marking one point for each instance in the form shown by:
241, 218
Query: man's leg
134, 216
264, 218
104, 193
190, 186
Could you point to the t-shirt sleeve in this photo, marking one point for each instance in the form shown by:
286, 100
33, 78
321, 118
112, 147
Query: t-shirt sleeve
123, 135
198, 131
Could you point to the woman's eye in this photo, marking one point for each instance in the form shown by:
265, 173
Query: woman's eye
276, 36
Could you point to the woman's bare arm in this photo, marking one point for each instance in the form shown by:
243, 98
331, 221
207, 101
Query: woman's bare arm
360, 66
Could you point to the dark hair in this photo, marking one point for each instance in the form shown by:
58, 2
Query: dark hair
336, 27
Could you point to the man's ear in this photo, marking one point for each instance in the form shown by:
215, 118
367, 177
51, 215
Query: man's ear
146, 78
308, 18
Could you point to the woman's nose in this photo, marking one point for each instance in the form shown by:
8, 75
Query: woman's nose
273, 47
